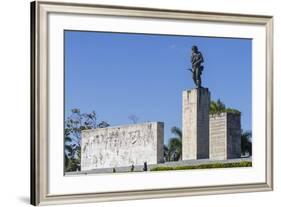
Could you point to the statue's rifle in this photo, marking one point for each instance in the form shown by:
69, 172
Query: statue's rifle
190, 70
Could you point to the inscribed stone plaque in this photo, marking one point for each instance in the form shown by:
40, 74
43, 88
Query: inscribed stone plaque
122, 146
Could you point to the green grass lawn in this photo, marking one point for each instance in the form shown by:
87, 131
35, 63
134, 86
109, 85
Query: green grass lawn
205, 166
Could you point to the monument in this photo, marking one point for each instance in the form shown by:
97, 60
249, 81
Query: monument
225, 136
195, 114
122, 146
204, 136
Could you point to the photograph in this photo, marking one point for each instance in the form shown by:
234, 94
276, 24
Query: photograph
135, 103
139, 102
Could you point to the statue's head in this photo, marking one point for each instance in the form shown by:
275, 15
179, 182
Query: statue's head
194, 48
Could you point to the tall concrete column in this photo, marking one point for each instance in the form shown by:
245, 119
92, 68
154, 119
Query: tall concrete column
195, 123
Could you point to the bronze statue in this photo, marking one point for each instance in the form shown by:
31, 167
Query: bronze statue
197, 68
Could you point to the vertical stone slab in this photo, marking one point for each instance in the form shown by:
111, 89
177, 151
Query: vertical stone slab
195, 123
225, 136
160, 142
233, 135
218, 136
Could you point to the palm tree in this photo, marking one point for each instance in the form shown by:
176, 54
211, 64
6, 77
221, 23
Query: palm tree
177, 131
175, 145
246, 143
217, 107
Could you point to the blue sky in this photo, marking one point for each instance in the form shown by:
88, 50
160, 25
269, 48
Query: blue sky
119, 74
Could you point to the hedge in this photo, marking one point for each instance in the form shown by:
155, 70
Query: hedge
204, 166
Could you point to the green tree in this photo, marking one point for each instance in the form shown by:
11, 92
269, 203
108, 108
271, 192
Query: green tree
246, 143
74, 124
218, 106
174, 152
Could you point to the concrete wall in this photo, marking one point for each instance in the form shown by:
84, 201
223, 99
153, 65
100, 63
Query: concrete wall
218, 136
195, 123
233, 135
122, 146
225, 136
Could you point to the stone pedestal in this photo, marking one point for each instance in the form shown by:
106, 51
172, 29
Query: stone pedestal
195, 123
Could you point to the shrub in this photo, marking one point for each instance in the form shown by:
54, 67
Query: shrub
204, 166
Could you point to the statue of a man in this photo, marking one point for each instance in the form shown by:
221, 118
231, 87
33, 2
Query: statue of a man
197, 68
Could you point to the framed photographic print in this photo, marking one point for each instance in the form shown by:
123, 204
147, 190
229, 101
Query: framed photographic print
135, 103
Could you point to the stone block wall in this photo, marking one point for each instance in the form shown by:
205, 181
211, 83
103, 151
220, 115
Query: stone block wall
225, 136
122, 146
